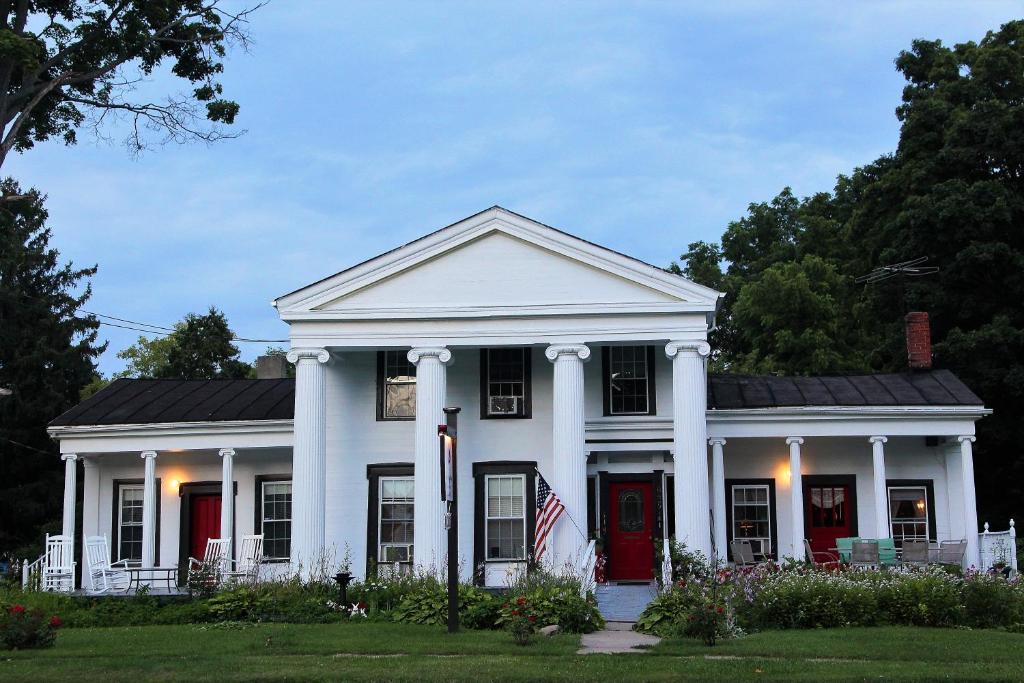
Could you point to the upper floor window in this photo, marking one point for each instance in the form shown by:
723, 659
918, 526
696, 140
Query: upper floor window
396, 386
628, 380
504, 382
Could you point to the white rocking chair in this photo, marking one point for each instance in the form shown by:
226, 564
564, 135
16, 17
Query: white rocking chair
209, 571
105, 575
250, 557
58, 564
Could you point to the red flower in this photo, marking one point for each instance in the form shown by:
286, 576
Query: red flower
17, 609
505, 606
55, 621
719, 610
521, 601
361, 605
515, 613
533, 618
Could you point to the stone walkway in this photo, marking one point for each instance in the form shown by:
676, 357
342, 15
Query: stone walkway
617, 638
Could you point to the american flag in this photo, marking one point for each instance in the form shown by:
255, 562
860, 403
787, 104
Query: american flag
549, 509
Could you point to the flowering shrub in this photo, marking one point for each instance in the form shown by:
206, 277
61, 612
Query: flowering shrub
22, 629
519, 620
555, 599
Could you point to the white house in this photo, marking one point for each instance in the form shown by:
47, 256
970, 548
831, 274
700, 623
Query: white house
564, 357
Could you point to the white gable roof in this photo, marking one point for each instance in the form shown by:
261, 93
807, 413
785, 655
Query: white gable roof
496, 263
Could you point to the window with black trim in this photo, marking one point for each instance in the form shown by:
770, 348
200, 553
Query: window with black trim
390, 528
129, 522
275, 519
628, 380
504, 383
396, 386
911, 510
750, 514
505, 511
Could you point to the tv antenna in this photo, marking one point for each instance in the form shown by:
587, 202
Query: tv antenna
901, 270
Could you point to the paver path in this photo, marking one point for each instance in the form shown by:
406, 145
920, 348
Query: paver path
618, 637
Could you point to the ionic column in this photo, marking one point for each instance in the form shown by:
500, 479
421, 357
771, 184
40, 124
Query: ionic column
796, 498
309, 458
568, 450
718, 496
970, 501
430, 539
149, 494
227, 498
882, 529
689, 431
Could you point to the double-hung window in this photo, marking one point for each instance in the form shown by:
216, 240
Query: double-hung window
629, 380
504, 382
506, 517
276, 519
908, 513
129, 522
396, 386
395, 530
751, 516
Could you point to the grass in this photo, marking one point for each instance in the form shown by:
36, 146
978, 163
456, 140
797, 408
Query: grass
397, 652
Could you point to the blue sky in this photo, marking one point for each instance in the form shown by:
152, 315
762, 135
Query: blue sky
640, 126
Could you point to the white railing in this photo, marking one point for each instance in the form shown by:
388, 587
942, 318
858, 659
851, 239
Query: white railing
666, 566
998, 547
32, 574
588, 578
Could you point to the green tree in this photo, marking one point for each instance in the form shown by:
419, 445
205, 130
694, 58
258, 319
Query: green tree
63, 60
47, 355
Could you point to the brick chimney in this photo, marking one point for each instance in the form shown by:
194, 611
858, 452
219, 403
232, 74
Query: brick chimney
271, 367
919, 341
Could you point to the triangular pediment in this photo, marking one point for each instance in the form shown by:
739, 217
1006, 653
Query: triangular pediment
497, 261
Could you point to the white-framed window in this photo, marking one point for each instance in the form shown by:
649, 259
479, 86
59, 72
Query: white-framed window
276, 525
506, 383
129, 522
752, 516
396, 387
908, 513
629, 380
395, 526
505, 528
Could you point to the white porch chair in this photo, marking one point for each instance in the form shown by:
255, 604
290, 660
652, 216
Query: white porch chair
210, 570
59, 564
250, 557
104, 574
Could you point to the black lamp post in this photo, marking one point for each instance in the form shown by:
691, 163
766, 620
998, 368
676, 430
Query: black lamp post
343, 579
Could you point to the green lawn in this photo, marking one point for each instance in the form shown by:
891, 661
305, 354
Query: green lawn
389, 651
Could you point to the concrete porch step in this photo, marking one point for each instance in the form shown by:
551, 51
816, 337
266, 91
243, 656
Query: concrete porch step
624, 602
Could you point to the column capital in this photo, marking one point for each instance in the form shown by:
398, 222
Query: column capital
878, 439
441, 353
308, 353
719, 440
69, 456
147, 454
798, 440
701, 348
581, 351
962, 439
229, 452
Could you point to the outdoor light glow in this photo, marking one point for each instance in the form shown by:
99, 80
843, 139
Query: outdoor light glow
175, 484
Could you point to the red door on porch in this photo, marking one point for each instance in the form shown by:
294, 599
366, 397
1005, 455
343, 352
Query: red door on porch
631, 530
828, 515
204, 522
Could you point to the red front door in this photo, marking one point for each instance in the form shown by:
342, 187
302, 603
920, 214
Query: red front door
204, 522
631, 530
828, 515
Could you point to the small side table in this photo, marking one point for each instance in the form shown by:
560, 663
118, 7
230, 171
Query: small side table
166, 574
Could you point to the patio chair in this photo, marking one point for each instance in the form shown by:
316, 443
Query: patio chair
250, 557
952, 552
819, 558
58, 564
208, 572
865, 554
845, 547
887, 552
105, 575
742, 552
915, 553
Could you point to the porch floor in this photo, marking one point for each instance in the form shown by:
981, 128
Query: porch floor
624, 602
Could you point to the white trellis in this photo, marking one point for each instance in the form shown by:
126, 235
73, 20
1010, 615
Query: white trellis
998, 547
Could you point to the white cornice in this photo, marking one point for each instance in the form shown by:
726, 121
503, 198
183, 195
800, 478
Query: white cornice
226, 427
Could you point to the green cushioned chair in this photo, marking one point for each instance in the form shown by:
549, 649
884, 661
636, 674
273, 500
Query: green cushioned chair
845, 548
887, 552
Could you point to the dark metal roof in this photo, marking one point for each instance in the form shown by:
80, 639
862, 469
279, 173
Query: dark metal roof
153, 401
929, 388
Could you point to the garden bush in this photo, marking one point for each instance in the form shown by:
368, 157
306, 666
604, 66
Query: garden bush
23, 629
555, 599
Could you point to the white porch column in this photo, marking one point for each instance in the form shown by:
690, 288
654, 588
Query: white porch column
90, 510
689, 422
309, 458
70, 491
227, 498
796, 499
882, 529
718, 496
971, 557
569, 457
149, 494
430, 539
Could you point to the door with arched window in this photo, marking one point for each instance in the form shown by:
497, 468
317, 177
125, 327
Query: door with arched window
631, 530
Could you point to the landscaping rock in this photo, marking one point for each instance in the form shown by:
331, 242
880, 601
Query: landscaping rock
550, 630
